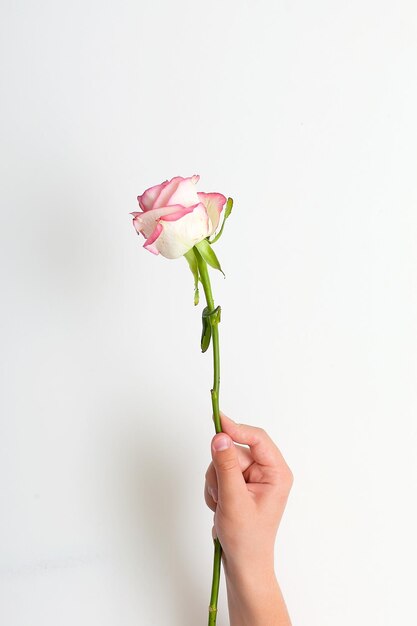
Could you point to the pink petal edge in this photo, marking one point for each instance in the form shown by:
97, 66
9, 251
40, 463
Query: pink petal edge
153, 195
218, 199
136, 223
183, 210
149, 243
150, 195
170, 189
214, 204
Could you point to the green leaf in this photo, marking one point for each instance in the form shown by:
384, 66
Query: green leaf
208, 254
192, 262
227, 212
206, 332
209, 318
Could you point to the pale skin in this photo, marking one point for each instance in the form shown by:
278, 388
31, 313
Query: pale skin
247, 488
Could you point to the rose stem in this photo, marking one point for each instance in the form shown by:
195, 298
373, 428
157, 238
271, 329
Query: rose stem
205, 281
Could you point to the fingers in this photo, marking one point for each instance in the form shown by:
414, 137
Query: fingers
211, 503
235, 466
263, 449
210, 488
230, 482
213, 532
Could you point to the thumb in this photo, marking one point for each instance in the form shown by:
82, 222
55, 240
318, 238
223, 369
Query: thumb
230, 482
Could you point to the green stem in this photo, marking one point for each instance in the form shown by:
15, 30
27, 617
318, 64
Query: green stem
205, 281
215, 583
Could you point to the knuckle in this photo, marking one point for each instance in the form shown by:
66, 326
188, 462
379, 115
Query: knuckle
283, 481
287, 479
262, 437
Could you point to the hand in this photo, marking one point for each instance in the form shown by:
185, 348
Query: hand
247, 489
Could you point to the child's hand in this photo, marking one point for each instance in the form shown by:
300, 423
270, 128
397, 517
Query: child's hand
248, 490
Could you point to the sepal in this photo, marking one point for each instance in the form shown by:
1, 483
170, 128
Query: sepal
227, 212
208, 254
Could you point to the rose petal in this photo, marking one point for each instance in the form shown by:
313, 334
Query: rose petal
161, 195
147, 199
173, 217
178, 191
214, 203
179, 236
145, 222
185, 194
166, 192
150, 242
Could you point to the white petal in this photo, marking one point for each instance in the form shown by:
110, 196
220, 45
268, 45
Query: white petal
181, 235
146, 222
184, 194
214, 203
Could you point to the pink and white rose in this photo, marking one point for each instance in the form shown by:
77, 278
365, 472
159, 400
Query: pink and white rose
175, 216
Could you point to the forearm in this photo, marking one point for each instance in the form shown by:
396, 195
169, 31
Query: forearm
254, 596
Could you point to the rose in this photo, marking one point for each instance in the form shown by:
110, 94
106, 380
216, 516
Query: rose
176, 221
175, 216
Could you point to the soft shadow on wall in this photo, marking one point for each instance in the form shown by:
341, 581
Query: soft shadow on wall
145, 494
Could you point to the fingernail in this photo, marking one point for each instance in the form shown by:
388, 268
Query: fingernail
221, 442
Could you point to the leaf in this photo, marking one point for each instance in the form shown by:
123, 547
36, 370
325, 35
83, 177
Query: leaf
210, 318
206, 332
192, 262
227, 212
208, 254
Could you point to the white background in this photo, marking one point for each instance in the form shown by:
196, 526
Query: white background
303, 112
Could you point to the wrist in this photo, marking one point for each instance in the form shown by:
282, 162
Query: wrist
250, 580
254, 597
247, 569
253, 593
